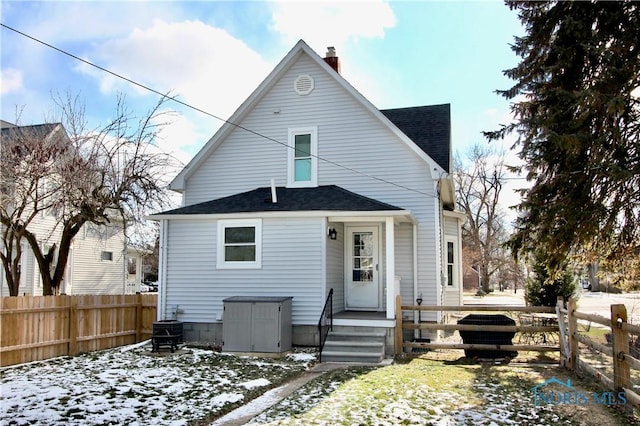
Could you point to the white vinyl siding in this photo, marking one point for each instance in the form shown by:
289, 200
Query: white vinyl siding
451, 226
404, 261
87, 272
349, 135
291, 266
92, 274
335, 267
452, 271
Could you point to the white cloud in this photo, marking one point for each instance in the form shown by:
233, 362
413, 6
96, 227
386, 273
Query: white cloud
179, 138
203, 65
200, 65
322, 23
10, 81
63, 21
341, 25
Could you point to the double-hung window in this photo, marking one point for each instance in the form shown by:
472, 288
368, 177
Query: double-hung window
451, 264
239, 244
303, 157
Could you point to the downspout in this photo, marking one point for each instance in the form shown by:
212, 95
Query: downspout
390, 271
324, 248
441, 282
125, 256
162, 267
415, 273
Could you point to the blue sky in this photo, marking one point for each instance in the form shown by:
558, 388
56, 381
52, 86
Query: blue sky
213, 54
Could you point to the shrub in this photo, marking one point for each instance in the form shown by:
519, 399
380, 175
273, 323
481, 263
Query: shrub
542, 291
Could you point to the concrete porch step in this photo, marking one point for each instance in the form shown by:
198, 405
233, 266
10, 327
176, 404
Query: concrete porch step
353, 346
356, 336
364, 346
359, 357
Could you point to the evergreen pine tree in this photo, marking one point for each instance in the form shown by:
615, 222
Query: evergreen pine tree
576, 102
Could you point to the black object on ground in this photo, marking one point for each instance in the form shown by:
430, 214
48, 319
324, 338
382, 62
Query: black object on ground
487, 337
167, 333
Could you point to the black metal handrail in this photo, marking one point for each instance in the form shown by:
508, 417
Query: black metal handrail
325, 323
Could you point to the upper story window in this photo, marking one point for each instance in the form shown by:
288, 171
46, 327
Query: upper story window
303, 157
239, 244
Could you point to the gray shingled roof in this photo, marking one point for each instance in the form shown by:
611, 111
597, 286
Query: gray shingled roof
429, 127
38, 130
330, 197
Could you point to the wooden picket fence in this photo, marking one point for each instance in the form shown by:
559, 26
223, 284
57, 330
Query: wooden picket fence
42, 327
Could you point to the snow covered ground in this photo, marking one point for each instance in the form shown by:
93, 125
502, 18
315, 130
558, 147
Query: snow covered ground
134, 386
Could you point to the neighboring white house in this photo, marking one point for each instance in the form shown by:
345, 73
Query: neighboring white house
97, 261
363, 203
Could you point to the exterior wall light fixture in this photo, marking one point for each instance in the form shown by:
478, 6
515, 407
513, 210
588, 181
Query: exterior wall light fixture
332, 233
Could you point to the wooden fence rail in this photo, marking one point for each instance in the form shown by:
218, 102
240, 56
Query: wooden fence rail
530, 329
620, 352
42, 327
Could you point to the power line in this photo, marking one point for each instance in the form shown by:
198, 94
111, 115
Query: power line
174, 99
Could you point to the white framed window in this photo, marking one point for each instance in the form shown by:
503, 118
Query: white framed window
302, 163
239, 244
452, 264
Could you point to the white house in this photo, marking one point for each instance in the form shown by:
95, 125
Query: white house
362, 203
97, 261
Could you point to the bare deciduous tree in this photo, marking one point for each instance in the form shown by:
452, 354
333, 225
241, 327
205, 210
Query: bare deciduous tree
478, 189
107, 176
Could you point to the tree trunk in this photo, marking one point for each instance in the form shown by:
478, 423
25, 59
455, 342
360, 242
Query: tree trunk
12, 267
593, 276
485, 277
44, 261
12, 278
51, 282
68, 234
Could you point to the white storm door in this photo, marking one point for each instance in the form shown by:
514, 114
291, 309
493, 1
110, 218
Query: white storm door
362, 275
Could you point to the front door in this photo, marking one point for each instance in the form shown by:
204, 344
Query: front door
362, 275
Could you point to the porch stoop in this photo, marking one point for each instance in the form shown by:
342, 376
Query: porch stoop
354, 346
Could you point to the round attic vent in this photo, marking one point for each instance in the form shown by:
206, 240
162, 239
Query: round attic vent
303, 85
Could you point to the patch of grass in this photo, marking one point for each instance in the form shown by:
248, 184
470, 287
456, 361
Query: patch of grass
435, 391
597, 334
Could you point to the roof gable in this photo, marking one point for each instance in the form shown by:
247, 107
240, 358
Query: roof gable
301, 48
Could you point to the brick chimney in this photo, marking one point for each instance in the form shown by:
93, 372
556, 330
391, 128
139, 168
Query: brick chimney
331, 59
